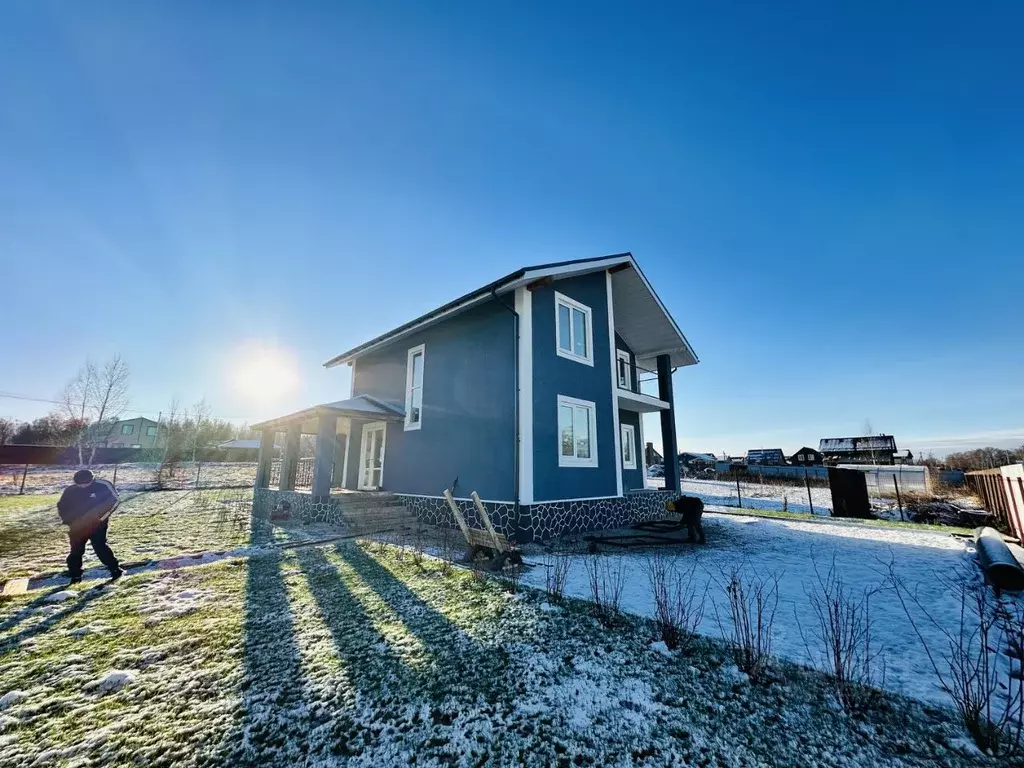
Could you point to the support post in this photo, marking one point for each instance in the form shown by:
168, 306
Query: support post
290, 460
669, 447
323, 467
24, 474
807, 482
265, 457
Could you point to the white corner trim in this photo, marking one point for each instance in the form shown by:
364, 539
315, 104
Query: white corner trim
524, 307
615, 382
419, 349
628, 432
561, 298
352, 380
643, 449
573, 461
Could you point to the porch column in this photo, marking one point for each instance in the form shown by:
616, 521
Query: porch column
290, 460
326, 431
669, 447
265, 457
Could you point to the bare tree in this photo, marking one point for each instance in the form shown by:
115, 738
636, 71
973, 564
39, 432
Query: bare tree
8, 429
753, 601
96, 397
199, 418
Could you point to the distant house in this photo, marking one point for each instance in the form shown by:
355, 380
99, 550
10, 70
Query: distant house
652, 456
696, 461
869, 449
139, 432
766, 457
807, 457
903, 457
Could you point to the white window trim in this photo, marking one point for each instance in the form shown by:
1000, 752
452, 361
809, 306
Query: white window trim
628, 436
573, 304
623, 355
572, 461
417, 350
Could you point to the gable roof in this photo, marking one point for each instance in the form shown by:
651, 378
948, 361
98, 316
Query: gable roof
882, 443
359, 407
650, 329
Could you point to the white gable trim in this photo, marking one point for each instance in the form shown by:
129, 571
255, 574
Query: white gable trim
615, 384
524, 308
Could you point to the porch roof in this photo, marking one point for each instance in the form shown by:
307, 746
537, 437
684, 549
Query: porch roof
361, 407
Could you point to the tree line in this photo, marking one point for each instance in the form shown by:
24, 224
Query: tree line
97, 398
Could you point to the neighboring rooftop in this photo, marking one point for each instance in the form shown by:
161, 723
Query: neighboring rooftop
867, 443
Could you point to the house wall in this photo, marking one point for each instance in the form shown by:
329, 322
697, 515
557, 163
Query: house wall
622, 345
633, 479
553, 376
468, 429
138, 436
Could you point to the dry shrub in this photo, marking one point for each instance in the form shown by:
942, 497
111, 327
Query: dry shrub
753, 601
678, 603
607, 577
557, 573
840, 640
974, 660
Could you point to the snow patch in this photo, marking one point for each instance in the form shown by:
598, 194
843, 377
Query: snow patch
58, 597
11, 698
661, 647
113, 680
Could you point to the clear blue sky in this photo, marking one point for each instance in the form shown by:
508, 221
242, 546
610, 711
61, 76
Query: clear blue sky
829, 200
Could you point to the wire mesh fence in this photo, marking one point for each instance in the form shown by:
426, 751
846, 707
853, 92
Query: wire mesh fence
32, 479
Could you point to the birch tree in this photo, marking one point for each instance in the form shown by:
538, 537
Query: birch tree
97, 397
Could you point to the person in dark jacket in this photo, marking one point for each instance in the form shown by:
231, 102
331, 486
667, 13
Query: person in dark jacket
692, 510
85, 508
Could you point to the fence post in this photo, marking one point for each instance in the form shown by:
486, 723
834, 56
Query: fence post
114, 481
898, 499
23, 474
199, 468
739, 496
807, 482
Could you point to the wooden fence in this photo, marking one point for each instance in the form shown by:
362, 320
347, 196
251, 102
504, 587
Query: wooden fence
1002, 491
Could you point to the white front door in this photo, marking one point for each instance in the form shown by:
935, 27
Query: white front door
371, 456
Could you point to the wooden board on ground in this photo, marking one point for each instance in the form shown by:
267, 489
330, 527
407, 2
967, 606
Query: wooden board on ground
15, 587
477, 537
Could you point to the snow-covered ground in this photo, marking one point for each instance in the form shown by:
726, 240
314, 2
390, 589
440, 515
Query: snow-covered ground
758, 495
130, 477
862, 555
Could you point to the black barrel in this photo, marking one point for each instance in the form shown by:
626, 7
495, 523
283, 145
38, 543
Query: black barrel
999, 564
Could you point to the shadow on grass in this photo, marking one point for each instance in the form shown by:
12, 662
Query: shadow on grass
84, 600
274, 725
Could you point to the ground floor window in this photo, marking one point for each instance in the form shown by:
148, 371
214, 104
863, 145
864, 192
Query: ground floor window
628, 446
577, 432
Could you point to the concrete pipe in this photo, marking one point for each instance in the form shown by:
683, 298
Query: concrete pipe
999, 564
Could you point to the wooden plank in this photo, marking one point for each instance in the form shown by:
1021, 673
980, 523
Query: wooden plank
15, 587
458, 515
500, 544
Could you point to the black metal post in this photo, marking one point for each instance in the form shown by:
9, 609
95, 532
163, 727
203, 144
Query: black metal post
739, 496
807, 482
898, 499
669, 446
114, 482
23, 474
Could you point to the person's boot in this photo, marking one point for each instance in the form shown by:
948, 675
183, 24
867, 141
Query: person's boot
115, 575
74, 580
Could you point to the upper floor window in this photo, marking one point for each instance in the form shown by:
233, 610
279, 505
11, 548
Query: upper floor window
574, 333
127, 429
414, 387
577, 430
150, 431
622, 368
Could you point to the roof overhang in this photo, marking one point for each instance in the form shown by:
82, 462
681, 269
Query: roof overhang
646, 326
639, 402
361, 407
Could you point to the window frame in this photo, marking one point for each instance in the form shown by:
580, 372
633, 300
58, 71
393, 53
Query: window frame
152, 431
623, 355
630, 440
562, 300
129, 427
575, 461
410, 355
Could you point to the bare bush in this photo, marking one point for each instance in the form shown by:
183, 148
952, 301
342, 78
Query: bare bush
512, 574
607, 577
975, 665
753, 602
840, 640
556, 576
678, 603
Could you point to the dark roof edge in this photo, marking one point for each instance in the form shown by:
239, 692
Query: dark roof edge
478, 293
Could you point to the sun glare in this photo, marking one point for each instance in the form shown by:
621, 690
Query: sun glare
262, 373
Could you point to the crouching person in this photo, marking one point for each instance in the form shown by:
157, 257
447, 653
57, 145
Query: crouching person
84, 508
692, 510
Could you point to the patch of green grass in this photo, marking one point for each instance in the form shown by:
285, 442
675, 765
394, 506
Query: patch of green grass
807, 517
28, 502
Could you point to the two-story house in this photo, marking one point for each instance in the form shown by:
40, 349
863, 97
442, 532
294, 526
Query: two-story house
525, 390
139, 432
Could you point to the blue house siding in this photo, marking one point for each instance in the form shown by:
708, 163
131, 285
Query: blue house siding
554, 376
633, 479
468, 427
